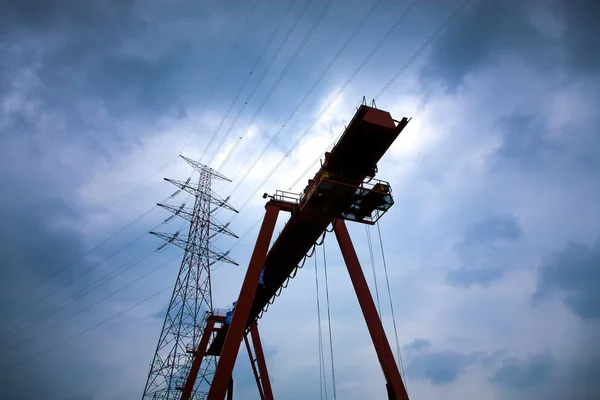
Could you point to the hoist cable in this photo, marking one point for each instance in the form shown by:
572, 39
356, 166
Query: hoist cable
387, 281
373, 269
322, 376
329, 322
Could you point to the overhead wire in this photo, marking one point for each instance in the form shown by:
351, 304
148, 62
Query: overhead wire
312, 88
83, 293
243, 86
91, 269
53, 309
422, 48
72, 280
279, 79
377, 96
81, 333
89, 307
399, 20
452, 16
216, 81
119, 199
63, 268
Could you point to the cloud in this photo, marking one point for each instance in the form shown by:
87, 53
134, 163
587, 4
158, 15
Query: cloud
465, 277
494, 229
523, 139
460, 52
573, 274
417, 345
441, 367
551, 37
580, 29
481, 247
520, 374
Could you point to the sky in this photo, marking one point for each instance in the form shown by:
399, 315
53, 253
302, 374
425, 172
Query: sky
492, 247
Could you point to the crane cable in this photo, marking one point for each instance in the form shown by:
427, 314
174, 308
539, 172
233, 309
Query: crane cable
322, 375
329, 322
387, 282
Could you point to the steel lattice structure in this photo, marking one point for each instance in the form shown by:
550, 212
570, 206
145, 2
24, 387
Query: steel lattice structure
191, 300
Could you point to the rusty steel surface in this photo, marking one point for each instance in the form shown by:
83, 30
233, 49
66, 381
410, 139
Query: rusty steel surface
367, 306
237, 327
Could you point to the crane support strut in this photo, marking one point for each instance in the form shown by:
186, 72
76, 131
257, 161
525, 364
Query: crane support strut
242, 310
367, 306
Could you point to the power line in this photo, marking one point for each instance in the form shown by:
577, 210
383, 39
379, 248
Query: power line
146, 179
12, 366
279, 79
93, 304
216, 81
70, 281
315, 84
80, 257
423, 47
261, 78
338, 93
53, 309
408, 63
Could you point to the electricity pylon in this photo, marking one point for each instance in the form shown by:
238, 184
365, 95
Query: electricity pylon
191, 300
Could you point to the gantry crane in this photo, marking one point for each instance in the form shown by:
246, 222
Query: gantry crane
344, 189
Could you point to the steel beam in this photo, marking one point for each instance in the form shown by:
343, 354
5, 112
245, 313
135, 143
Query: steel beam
254, 370
262, 364
241, 313
367, 305
230, 389
186, 393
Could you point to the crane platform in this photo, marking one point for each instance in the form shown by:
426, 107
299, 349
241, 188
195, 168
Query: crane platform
344, 187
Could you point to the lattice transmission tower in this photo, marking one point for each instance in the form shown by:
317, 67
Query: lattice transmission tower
191, 300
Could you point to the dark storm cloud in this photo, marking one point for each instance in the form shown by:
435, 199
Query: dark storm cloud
439, 367
110, 58
480, 251
523, 139
486, 30
417, 345
522, 374
490, 30
573, 275
580, 34
495, 228
465, 277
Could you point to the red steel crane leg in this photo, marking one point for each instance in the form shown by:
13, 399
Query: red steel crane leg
261, 375
262, 364
261, 393
230, 389
382, 347
186, 393
242, 309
